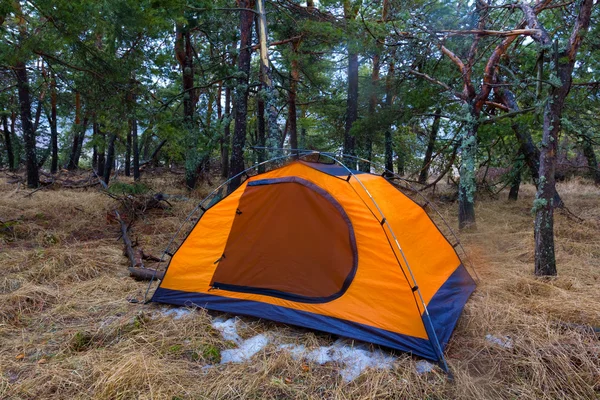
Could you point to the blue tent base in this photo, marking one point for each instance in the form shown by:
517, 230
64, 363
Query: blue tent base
444, 308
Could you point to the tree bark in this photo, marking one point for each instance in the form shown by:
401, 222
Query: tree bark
388, 140
8, 144
72, 165
545, 260
80, 139
292, 94
592, 160
272, 139
352, 98
226, 140
136, 149
435, 127
261, 126
26, 124
468, 185
128, 149
241, 92
53, 126
515, 182
110, 157
367, 148
185, 56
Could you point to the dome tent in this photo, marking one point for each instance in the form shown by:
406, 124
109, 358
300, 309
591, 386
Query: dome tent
324, 247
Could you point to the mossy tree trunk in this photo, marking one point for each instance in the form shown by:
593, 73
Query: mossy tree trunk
468, 185
435, 127
564, 62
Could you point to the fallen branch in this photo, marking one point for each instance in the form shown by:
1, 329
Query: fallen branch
136, 264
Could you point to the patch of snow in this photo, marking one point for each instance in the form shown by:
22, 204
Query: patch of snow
245, 351
502, 341
424, 366
296, 350
228, 329
355, 359
176, 312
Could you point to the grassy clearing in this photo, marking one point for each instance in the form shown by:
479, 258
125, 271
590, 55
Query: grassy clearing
67, 330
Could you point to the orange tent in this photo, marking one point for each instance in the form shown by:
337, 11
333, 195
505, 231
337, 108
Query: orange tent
324, 247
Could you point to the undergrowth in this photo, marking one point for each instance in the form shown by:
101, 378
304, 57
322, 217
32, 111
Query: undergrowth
68, 331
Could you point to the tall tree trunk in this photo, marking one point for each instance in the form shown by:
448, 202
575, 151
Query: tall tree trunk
101, 148
53, 125
26, 124
272, 139
261, 127
351, 107
545, 260
110, 157
467, 185
8, 144
226, 140
292, 94
80, 139
401, 161
72, 165
185, 56
388, 140
435, 127
136, 150
302, 142
515, 178
352, 98
241, 91
128, 149
592, 160
367, 151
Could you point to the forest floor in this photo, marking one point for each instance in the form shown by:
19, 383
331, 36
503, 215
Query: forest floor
68, 331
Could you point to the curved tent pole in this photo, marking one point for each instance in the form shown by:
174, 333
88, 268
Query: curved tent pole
415, 287
200, 206
427, 202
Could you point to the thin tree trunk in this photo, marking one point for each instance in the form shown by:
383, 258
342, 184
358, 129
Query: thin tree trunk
592, 160
72, 165
8, 144
352, 97
467, 186
530, 152
226, 141
388, 140
435, 127
272, 138
110, 157
241, 92
373, 100
351, 107
302, 143
128, 149
261, 126
101, 149
136, 149
26, 125
515, 182
53, 126
292, 94
185, 57
80, 139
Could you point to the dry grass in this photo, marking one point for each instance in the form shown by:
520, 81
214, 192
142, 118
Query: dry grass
67, 330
